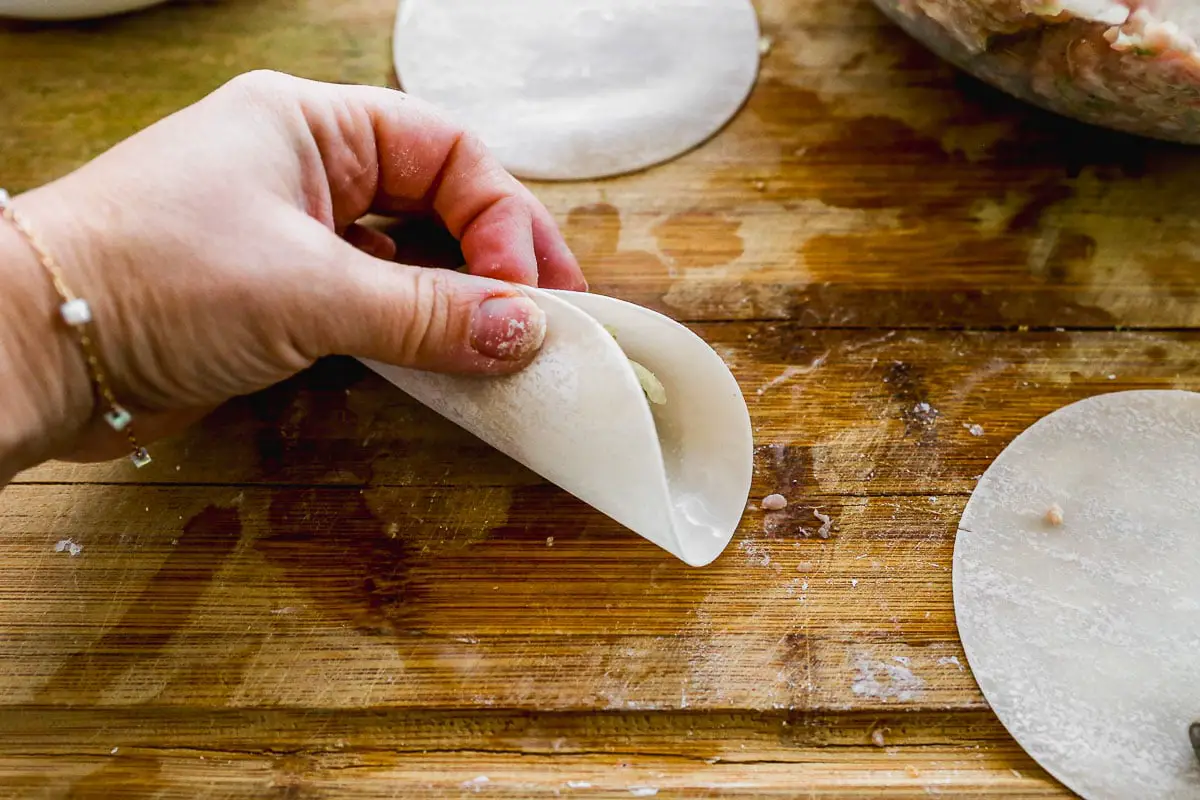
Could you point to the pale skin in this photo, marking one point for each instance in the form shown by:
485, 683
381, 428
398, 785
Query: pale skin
221, 252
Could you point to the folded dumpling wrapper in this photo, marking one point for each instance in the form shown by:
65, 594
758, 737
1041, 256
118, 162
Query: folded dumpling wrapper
677, 473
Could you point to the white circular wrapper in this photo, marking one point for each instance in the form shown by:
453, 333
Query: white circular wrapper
563, 90
1085, 636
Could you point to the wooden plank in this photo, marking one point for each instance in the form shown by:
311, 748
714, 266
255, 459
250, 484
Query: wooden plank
314, 752
712, 736
311, 597
830, 776
834, 410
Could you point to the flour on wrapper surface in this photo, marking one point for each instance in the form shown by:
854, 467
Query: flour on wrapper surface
677, 473
582, 89
1085, 635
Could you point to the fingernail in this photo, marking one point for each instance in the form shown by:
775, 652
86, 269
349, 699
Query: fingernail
508, 328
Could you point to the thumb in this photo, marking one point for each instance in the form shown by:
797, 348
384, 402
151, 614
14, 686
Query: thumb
431, 319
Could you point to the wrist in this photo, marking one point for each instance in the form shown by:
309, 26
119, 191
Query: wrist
47, 395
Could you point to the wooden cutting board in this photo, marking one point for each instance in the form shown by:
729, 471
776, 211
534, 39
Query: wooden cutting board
327, 591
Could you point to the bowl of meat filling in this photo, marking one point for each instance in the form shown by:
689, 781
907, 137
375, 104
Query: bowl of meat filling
69, 9
1130, 65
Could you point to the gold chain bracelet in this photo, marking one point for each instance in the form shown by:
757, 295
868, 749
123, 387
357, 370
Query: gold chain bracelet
77, 315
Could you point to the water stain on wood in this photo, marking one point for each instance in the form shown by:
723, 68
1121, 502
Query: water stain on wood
296, 417
956, 306
863, 149
799, 661
782, 106
131, 776
793, 344
531, 520
831, 151
699, 239
787, 470
292, 776
594, 231
906, 383
594, 234
155, 615
1028, 218
331, 545
1174, 273
1069, 259
441, 520
784, 469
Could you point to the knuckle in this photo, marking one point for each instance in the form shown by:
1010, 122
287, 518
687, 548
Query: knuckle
260, 84
476, 156
429, 314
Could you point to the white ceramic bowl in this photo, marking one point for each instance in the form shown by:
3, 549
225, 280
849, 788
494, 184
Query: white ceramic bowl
69, 9
1095, 60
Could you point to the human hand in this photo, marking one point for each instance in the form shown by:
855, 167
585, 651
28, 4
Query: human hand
220, 251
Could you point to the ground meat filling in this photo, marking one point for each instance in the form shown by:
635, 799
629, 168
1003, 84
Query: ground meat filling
1131, 65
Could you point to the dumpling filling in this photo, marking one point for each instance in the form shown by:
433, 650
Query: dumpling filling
651, 386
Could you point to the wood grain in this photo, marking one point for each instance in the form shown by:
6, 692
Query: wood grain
467, 617
834, 408
326, 591
258, 753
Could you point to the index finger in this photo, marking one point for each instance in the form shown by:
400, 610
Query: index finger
388, 152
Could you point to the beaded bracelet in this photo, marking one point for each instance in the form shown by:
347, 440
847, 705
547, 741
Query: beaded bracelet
77, 315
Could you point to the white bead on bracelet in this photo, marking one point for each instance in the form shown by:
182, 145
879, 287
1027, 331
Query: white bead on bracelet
77, 315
